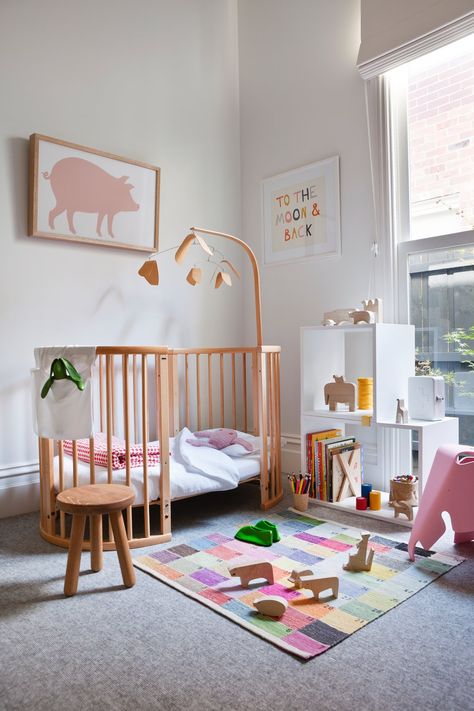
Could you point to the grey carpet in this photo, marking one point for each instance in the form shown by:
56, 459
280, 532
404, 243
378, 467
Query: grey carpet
150, 647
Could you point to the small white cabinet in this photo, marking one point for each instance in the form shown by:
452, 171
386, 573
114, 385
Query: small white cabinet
386, 353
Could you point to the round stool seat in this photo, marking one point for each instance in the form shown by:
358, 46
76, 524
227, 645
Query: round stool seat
95, 499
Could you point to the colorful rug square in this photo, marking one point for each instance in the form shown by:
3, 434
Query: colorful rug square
308, 627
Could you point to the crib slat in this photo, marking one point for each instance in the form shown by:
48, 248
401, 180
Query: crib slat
74, 462
135, 399
271, 421
112, 382
174, 393
198, 392
186, 386
221, 373
62, 515
165, 505
146, 503
108, 397
101, 391
276, 385
126, 432
91, 460
209, 390
262, 393
157, 396
255, 393
244, 389
234, 401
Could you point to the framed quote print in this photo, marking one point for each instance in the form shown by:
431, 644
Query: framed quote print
301, 213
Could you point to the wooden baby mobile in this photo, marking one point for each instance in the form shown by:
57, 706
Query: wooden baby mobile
223, 267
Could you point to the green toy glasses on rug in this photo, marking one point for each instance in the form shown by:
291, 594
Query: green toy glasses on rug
264, 533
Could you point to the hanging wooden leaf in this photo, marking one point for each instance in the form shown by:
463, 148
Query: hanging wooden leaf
149, 270
204, 245
219, 280
183, 247
231, 266
226, 278
194, 276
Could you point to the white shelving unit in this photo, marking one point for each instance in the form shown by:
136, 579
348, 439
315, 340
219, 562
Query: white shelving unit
385, 352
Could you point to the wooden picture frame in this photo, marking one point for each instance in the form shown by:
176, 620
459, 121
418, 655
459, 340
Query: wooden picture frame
301, 213
80, 194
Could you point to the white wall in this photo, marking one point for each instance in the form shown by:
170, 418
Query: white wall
302, 100
152, 80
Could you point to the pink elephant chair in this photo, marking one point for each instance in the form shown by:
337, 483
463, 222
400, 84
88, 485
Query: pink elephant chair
450, 487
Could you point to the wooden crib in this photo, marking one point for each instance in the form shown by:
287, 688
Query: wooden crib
148, 393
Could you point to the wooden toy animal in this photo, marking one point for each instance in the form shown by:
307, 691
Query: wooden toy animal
317, 585
336, 317
402, 412
361, 561
374, 305
339, 391
271, 605
250, 569
403, 507
296, 576
362, 317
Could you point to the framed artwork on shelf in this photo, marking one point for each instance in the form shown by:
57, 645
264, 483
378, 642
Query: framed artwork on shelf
80, 194
301, 213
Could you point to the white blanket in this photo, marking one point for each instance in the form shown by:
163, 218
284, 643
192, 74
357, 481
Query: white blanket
209, 462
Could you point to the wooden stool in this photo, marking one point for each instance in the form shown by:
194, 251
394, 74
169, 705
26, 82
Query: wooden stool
93, 501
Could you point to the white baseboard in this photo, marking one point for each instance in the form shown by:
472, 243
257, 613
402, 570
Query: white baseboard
19, 489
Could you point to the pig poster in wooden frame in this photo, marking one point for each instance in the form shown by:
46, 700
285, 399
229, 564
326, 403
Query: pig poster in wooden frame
81, 194
301, 213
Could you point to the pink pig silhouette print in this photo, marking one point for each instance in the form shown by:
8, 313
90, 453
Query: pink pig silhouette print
81, 186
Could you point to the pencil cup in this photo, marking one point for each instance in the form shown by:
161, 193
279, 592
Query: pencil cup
300, 501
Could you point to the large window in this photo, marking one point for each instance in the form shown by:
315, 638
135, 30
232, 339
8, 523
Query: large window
440, 124
434, 150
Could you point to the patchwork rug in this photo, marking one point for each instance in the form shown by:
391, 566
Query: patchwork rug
199, 569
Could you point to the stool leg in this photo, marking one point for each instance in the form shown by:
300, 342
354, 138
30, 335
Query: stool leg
96, 542
74, 555
123, 551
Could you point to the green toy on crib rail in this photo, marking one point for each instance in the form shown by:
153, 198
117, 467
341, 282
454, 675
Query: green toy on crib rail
62, 369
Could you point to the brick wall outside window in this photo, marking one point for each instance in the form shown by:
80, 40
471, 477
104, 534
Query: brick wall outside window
441, 146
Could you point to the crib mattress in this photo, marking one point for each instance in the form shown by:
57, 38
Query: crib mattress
183, 483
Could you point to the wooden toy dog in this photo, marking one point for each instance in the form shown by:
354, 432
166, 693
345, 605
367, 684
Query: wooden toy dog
251, 569
317, 585
296, 576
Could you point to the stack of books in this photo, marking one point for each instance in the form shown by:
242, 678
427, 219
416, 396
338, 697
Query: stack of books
334, 463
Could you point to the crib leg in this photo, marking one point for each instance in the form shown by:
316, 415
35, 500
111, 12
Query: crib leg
96, 542
74, 556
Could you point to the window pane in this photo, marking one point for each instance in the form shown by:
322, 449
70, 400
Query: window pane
440, 118
441, 308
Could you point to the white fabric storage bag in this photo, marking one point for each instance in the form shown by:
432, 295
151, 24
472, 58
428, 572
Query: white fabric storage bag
66, 412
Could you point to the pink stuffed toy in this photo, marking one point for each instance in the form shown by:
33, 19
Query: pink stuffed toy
219, 439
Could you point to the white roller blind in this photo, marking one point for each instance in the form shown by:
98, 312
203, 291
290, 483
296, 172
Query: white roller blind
396, 31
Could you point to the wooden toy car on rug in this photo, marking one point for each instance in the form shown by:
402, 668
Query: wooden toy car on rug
360, 561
